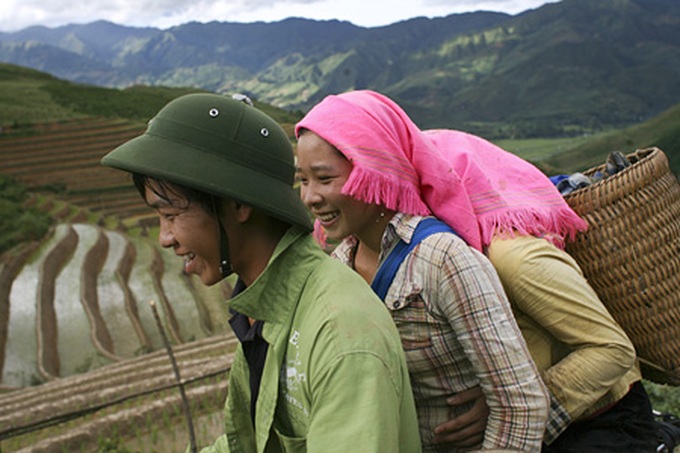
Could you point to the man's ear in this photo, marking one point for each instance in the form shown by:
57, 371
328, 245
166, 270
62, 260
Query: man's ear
242, 212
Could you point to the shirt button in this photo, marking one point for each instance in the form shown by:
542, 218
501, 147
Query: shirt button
396, 304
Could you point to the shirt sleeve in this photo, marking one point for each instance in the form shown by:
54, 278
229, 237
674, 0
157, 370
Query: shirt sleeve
558, 420
545, 284
472, 299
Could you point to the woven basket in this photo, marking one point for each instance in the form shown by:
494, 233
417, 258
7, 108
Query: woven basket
631, 256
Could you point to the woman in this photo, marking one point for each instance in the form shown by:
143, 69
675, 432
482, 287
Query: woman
455, 322
507, 209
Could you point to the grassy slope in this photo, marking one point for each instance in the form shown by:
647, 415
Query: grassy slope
566, 155
662, 131
23, 99
28, 97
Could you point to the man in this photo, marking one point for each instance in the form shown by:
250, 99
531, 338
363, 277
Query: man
320, 366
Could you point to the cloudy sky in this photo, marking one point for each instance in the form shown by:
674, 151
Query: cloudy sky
18, 14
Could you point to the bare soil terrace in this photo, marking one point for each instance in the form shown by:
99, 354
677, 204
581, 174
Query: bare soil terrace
82, 363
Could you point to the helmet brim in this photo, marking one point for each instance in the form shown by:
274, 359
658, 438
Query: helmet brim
149, 155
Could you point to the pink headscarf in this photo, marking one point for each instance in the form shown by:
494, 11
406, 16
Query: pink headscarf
474, 186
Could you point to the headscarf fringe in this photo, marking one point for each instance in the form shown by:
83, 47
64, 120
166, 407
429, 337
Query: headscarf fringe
554, 225
384, 190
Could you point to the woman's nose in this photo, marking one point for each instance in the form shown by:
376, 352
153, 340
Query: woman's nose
309, 195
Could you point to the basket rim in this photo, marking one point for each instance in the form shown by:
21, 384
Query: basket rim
638, 158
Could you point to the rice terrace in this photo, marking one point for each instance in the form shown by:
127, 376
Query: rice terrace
82, 360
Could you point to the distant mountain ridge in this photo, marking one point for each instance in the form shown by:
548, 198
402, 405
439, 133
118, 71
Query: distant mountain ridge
565, 67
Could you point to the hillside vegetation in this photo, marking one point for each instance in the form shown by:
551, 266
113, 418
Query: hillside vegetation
662, 131
29, 98
566, 68
19, 223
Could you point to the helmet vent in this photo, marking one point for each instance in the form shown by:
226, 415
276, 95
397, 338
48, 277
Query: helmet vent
265, 132
214, 112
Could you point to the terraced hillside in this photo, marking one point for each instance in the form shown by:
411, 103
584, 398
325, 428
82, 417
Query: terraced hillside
81, 358
79, 301
63, 158
137, 399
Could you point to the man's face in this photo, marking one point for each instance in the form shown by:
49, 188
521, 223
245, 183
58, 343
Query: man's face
189, 229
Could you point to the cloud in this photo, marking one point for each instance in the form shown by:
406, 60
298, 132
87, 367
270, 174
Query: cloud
508, 6
270, 3
17, 14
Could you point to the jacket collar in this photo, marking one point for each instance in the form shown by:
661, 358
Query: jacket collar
273, 296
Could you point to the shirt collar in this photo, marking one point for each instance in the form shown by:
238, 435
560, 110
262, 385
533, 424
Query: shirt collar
239, 322
400, 227
242, 328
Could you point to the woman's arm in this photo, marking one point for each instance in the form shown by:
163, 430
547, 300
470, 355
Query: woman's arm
467, 429
547, 287
472, 299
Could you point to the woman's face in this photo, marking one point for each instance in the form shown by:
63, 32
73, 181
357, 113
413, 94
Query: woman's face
189, 229
322, 171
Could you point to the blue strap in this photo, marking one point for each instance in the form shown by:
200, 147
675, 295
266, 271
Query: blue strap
388, 269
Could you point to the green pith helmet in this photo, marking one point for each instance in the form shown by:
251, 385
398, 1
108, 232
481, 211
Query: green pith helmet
221, 146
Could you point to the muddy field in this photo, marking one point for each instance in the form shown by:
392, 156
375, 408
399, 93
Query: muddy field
134, 403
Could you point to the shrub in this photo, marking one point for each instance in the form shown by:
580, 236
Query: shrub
17, 223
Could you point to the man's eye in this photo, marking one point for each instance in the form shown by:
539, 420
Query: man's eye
167, 215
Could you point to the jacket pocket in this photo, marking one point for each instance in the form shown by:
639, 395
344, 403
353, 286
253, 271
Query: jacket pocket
292, 444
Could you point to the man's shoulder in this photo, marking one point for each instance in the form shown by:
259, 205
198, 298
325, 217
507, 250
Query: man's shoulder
329, 276
335, 294
340, 296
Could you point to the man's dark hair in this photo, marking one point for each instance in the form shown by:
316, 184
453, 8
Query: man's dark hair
163, 188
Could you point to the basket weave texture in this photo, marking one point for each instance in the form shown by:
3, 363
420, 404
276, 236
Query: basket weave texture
631, 256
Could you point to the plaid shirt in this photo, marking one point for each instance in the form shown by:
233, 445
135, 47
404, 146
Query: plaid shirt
458, 332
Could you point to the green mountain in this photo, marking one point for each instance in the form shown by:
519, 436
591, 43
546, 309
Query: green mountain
28, 96
566, 68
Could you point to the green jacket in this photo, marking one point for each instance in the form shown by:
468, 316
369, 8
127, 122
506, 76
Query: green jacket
335, 378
